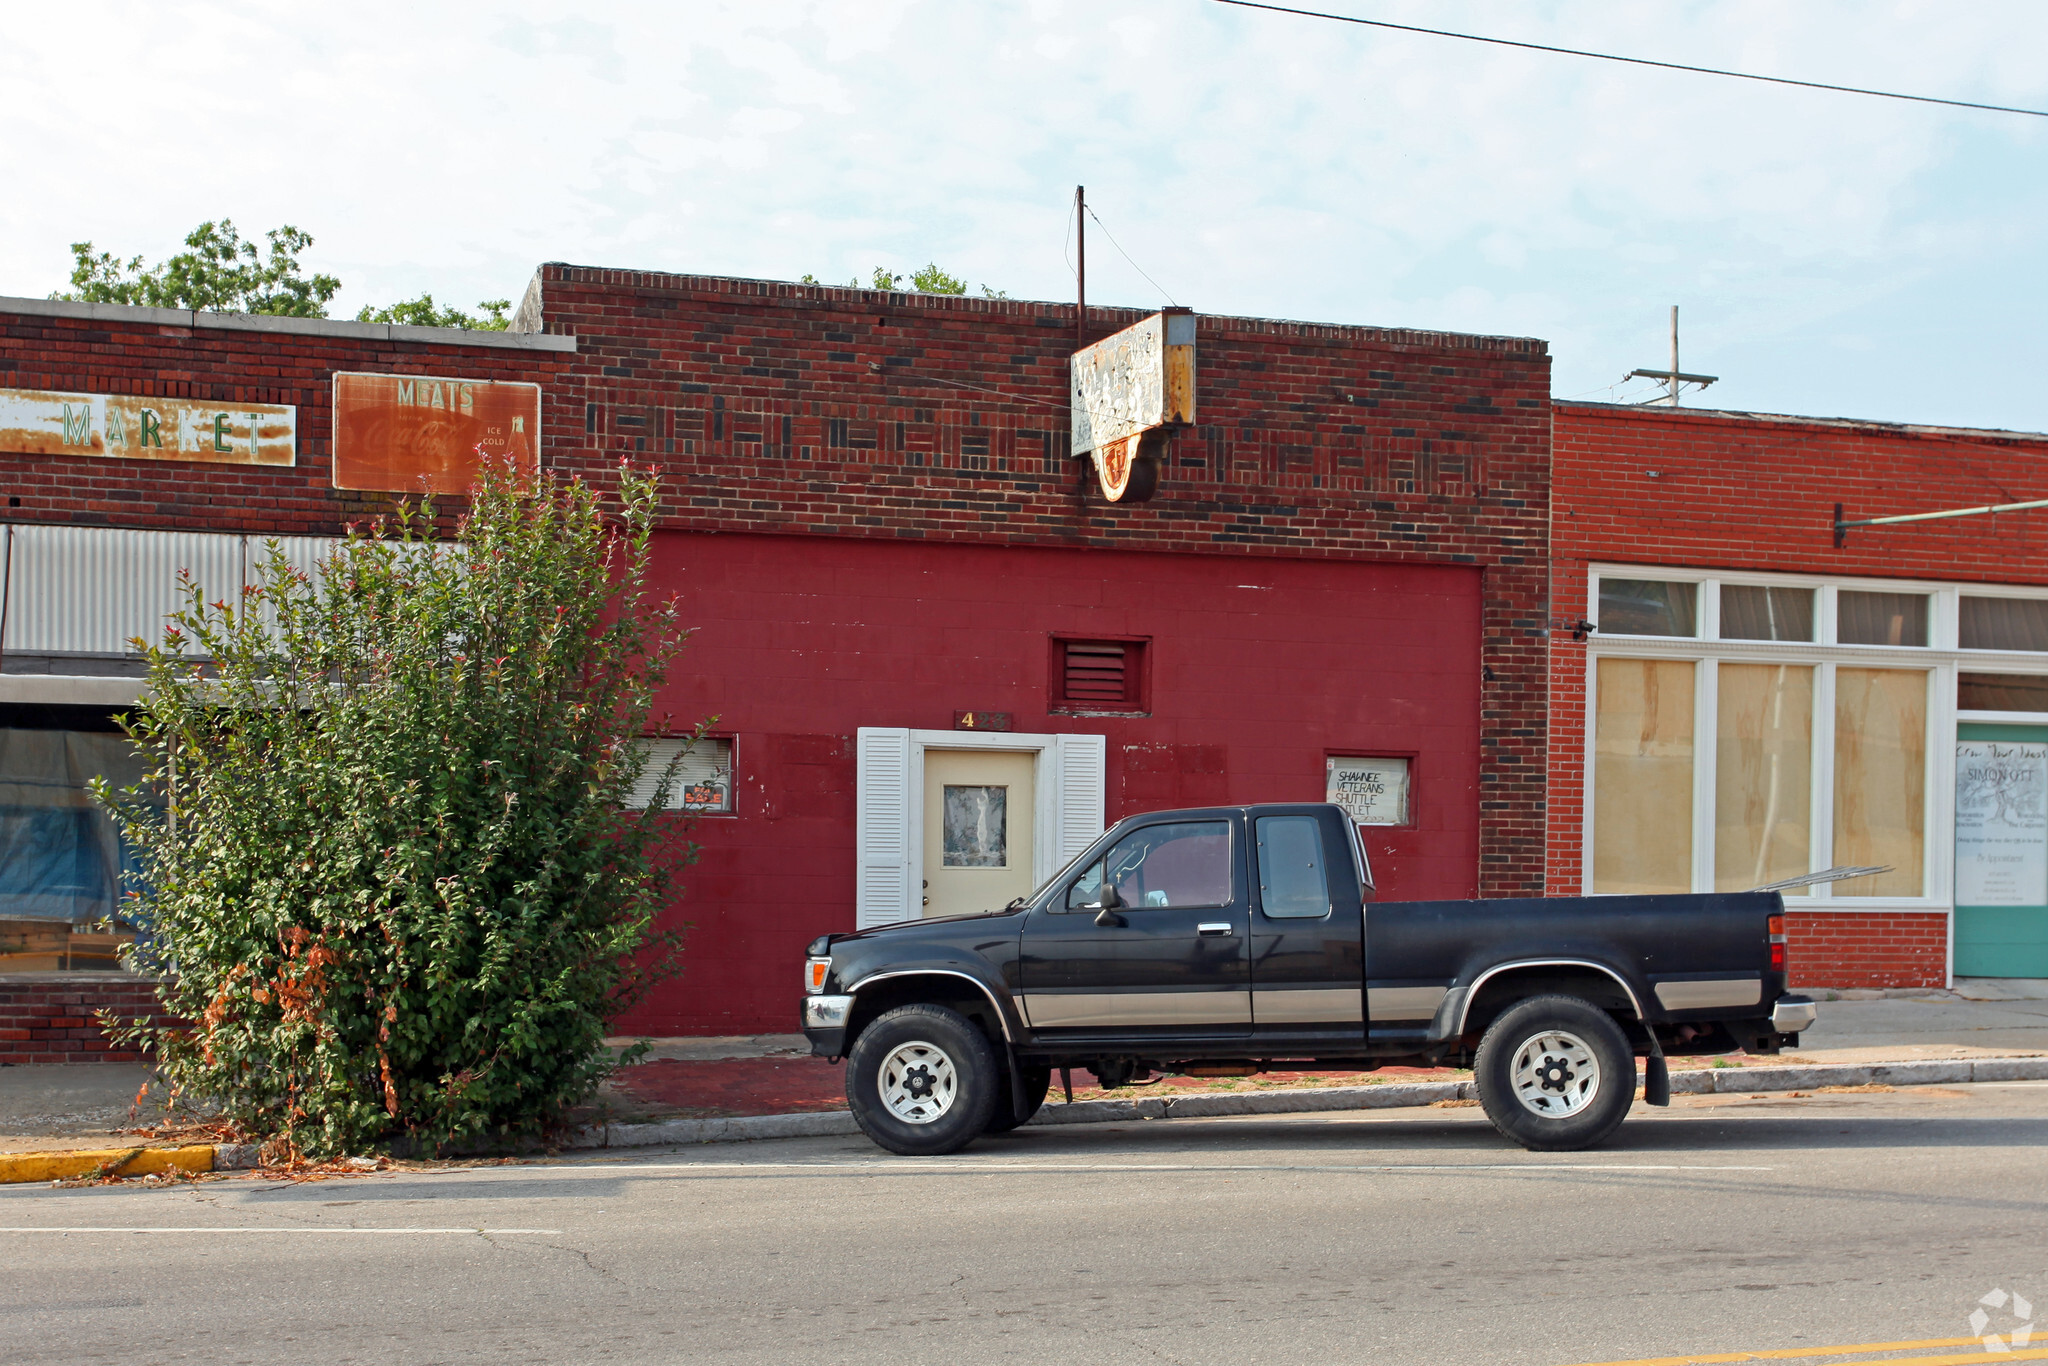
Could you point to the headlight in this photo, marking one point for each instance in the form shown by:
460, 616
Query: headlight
816, 970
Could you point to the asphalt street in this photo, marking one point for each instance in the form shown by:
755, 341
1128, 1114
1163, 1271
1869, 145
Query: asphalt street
1727, 1224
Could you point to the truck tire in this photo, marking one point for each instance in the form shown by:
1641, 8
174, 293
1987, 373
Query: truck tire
1037, 1081
1555, 1074
922, 1080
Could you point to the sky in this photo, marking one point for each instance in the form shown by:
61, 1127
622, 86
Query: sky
1831, 254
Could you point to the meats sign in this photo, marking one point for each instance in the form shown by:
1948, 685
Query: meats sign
1129, 391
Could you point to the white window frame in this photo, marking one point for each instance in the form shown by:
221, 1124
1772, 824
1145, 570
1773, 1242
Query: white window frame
1941, 659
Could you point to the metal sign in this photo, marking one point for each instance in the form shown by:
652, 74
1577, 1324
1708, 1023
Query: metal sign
421, 433
130, 427
1130, 389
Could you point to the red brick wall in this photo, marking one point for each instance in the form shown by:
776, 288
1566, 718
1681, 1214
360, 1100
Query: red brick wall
53, 1019
831, 412
129, 351
1878, 949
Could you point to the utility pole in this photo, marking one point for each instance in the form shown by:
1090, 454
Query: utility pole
1674, 377
1080, 267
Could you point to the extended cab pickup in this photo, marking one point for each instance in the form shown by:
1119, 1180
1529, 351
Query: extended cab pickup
1222, 941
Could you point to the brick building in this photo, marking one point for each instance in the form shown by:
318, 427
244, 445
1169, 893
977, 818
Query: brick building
1759, 702
875, 521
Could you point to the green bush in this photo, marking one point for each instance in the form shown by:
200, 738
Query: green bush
392, 879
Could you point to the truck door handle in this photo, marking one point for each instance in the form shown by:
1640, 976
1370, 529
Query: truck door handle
1213, 927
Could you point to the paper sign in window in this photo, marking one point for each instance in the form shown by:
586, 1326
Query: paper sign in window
2001, 823
1372, 791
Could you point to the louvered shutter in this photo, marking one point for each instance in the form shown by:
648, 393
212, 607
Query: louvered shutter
883, 880
1078, 777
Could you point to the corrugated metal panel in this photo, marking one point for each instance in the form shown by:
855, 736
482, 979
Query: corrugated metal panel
89, 590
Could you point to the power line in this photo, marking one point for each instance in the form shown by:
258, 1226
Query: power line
1127, 256
1636, 61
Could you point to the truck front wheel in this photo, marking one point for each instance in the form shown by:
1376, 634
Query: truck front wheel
922, 1080
1555, 1074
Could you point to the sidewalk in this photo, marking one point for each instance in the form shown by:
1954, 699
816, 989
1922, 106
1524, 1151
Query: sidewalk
46, 1108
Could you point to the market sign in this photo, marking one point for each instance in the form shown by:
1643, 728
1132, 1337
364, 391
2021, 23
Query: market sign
1130, 390
129, 427
417, 433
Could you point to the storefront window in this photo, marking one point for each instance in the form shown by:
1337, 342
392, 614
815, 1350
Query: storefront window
1880, 618
1880, 778
2002, 623
1763, 774
1642, 776
1749, 612
1648, 607
62, 861
2002, 692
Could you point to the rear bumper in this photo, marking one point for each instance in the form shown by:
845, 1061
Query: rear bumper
1793, 1014
825, 1024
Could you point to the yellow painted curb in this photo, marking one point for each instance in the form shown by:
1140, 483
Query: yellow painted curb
69, 1166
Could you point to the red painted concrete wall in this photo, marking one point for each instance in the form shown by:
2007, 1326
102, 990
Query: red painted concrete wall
1258, 670
1741, 491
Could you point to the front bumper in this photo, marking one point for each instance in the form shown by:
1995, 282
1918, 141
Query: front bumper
825, 1024
1793, 1014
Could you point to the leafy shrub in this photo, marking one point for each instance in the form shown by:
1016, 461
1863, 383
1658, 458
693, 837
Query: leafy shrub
393, 881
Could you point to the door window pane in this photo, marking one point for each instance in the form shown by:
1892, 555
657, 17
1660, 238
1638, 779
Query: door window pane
1292, 882
2003, 624
1749, 612
977, 827
1763, 774
1186, 863
1648, 607
2002, 692
1880, 778
1880, 618
1642, 776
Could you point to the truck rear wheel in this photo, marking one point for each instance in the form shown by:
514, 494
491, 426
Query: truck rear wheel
922, 1080
1555, 1074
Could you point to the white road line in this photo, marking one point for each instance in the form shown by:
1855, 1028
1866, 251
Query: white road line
993, 1168
202, 1229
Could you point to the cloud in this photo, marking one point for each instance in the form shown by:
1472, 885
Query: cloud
1250, 162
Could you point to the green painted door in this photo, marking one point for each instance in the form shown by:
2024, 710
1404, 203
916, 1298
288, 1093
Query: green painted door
2001, 850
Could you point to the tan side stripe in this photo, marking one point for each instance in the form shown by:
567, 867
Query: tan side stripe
1851, 1349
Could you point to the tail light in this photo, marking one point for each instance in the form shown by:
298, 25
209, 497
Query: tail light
1777, 938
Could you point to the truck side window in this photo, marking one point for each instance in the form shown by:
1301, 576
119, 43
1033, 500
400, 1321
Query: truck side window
1186, 863
1292, 881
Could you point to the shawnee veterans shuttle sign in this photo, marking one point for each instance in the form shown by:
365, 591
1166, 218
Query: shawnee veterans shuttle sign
419, 433
129, 427
1130, 390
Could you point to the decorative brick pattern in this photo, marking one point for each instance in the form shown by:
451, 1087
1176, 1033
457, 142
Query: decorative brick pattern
54, 1019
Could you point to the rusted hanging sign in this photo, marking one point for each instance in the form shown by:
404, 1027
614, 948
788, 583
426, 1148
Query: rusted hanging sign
1130, 390
415, 433
129, 427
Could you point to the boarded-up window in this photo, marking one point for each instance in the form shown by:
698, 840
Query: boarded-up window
1880, 778
1098, 675
703, 782
1763, 775
1642, 776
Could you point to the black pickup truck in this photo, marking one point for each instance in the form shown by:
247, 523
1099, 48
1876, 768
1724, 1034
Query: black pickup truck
1226, 940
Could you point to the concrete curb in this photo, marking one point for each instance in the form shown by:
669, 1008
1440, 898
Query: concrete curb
1395, 1095
139, 1161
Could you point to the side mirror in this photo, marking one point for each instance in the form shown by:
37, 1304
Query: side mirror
1106, 908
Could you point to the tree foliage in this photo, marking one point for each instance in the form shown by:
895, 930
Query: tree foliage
397, 888
930, 278
491, 315
217, 273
